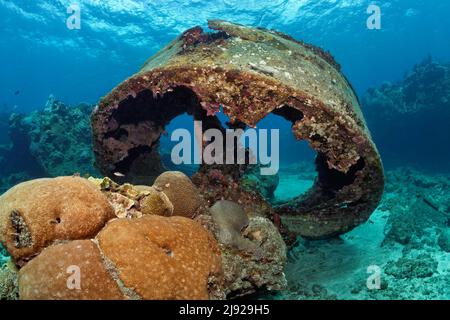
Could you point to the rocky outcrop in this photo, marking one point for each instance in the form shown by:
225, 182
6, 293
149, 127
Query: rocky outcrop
413, 114
54, 141
60, 138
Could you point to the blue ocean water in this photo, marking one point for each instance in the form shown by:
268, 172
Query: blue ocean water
40, 56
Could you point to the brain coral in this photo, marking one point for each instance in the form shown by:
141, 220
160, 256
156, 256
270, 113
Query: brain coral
180, 190
151, 257
162, 258
36, 213
46, 276
156, 202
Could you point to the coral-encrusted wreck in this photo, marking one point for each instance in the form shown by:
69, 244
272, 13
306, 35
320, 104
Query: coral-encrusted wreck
250, 73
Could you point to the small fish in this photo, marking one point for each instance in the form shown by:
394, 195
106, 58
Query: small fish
17, 93
119, 174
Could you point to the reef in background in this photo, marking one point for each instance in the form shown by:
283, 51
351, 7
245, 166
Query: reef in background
413, 115
54, 141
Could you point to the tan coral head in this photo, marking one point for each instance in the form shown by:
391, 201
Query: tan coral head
251, 73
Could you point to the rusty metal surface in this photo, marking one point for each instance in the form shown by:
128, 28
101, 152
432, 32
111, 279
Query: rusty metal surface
250, 73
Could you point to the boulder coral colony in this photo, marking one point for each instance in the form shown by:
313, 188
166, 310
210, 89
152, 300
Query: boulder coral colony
168, 236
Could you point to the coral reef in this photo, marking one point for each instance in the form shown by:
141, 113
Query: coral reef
123, 243
444, 240
36, 213
60, 138
421, 266
54, 141
417, 203
413, 114
4, 125
148, 258
250, 73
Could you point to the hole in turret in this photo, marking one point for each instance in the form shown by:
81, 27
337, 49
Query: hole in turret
296, 172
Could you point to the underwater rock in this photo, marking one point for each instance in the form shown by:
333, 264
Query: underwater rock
181, 192
163, 258
230, 219
413, 112
54, 141
253, 252
260, 266
36, 213
250, 72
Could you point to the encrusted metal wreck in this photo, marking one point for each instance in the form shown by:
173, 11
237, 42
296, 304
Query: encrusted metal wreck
250, 73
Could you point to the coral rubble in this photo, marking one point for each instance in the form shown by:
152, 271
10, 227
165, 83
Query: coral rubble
406, 239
